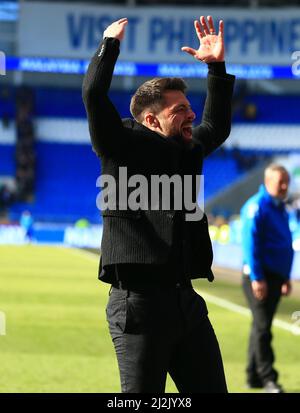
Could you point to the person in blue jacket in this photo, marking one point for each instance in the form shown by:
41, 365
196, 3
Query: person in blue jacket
267, 258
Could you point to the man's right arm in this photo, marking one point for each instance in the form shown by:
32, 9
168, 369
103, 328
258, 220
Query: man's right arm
252, 234
105, 124
253, 229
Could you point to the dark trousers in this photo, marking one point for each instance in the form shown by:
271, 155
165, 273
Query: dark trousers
163, 330
260, 353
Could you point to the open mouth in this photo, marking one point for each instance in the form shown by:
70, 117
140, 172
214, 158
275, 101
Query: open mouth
187, 132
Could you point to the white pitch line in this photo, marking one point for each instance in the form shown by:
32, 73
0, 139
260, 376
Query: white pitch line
220, 302
229, 305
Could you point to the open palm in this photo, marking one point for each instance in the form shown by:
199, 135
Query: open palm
116, 29
211, 48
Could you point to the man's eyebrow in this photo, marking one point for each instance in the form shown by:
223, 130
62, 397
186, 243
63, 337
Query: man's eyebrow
181, 105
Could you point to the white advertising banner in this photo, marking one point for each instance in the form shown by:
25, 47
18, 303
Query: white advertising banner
156, 34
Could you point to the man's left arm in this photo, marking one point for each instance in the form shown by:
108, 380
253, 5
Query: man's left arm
216, 119
215, 126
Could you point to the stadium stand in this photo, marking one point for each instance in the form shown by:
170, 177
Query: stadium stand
24, 153
67, 169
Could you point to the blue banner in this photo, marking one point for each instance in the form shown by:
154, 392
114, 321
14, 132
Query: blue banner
195, 70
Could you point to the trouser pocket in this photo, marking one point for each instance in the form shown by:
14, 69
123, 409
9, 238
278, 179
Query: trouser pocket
128, 312
116, 312
138, 314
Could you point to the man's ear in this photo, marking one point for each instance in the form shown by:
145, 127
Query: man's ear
151, 120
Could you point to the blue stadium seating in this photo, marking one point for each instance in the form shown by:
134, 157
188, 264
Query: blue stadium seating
56, 102
7, 160
220, 171
65, 184
66, 174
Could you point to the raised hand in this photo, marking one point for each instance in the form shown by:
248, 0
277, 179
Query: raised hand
211, 47
116, 29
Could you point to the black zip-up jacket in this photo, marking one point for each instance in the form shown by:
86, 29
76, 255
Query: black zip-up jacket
160, 237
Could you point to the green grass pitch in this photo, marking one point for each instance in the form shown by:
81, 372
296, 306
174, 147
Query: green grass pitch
57, 339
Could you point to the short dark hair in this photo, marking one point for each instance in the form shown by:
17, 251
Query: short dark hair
151, 94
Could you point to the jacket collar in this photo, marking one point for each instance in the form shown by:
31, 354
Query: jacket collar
174, 140
271, 199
